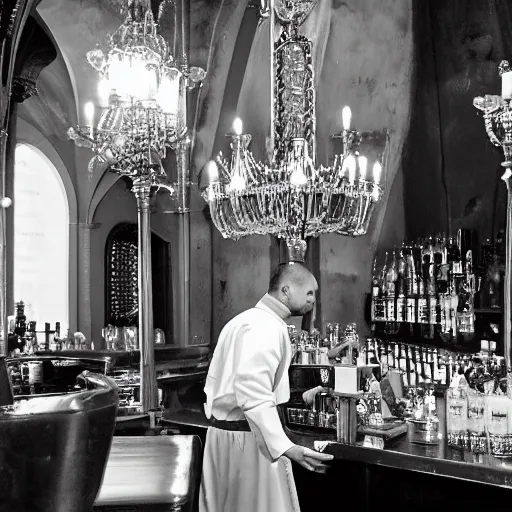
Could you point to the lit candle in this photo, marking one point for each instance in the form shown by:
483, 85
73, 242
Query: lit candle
350, 164
363, 164
297, 177
506, 85
346, 116
377, 170
237, 126
89, 116
237, 182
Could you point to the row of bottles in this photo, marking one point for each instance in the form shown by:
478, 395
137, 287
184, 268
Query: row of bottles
417, 365
24, 338
429, 365
429, 282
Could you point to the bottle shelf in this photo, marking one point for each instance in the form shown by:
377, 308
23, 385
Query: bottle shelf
402, 333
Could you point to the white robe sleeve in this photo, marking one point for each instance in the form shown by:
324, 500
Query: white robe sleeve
259, 356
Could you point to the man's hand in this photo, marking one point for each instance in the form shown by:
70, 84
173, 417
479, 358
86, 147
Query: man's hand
309, 395
309, 459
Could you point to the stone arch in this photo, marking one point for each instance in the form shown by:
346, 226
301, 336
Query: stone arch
29, 135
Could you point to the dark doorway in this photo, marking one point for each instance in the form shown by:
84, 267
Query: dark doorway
121, 289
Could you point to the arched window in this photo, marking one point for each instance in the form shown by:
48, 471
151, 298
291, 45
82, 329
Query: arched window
41, 239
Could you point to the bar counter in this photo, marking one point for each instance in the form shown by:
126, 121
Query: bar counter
405, 473
403, 476
441, 460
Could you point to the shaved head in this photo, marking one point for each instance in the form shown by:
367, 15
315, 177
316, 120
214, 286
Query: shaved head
288, 273
295, 286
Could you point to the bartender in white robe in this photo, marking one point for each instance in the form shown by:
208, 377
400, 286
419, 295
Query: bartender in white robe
246, 466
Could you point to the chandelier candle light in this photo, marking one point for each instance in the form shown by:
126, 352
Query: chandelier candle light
290, 196
143, 101
497, 113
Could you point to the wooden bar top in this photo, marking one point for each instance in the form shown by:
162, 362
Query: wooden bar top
159, 470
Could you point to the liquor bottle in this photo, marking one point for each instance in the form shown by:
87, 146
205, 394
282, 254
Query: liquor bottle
427, 365
411, 288
383, 289
422, 301
454, 254
375, 280
378, 309
439, 369
449, 369
391, 277
442, 269
32, 345
397, 356
47, 336
419, 366
57, 338
432, 303
413, 377
412, 281
402, 365
20, 325
403, 358
401, 301
391, 355
444, 308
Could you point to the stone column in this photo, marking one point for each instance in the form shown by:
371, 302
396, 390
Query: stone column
182, 306
3, 269
148, 384
84, 279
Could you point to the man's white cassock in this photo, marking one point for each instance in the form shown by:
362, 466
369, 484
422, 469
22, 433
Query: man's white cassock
248, 378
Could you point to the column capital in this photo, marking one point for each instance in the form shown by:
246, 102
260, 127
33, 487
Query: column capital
142, 190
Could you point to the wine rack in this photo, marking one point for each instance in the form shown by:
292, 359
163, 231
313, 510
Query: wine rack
121, 276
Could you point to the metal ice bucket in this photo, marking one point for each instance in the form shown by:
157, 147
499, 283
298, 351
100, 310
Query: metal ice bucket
53, 449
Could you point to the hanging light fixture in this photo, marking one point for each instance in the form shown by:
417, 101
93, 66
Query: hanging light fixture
143, 101
290, 196
141, 97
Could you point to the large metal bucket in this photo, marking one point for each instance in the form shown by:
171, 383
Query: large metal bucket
53, 449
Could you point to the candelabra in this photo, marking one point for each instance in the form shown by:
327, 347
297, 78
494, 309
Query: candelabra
290, 196
145, 92
497, 113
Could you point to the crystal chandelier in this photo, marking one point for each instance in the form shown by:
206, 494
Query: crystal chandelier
290, 196
144, 107
143, 95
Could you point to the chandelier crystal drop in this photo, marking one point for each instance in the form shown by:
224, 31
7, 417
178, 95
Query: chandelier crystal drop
290, 196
